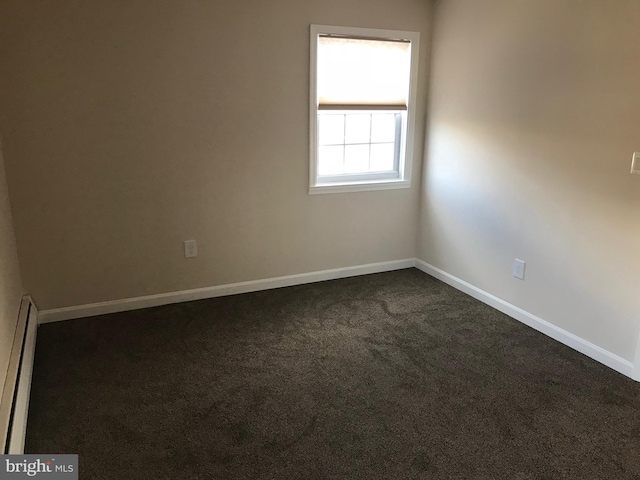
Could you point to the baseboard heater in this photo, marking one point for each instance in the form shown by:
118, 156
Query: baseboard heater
14, 405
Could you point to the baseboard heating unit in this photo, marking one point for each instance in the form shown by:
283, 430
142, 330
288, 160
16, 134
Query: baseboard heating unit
14, 405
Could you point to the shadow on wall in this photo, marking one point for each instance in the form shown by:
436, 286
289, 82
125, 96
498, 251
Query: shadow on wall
489, 201
532, 124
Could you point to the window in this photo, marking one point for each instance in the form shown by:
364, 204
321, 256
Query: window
363, 86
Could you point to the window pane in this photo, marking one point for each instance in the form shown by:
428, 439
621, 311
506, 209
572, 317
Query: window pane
356, 158
358, 128
330, 160
382, 157
383, 127
330, 129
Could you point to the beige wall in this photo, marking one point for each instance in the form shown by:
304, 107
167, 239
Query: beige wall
534, 115
143, 124
10, 282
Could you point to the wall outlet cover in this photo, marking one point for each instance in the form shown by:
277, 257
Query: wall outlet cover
518, 268
190, 249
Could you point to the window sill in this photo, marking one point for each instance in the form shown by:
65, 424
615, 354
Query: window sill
358, 186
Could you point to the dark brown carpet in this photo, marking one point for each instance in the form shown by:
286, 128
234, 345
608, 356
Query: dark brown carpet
386, 376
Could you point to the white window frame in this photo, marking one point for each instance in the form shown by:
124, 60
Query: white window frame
399, 179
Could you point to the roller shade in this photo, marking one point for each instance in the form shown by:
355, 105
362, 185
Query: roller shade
361, 72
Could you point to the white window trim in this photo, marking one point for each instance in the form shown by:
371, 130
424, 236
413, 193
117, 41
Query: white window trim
406, 160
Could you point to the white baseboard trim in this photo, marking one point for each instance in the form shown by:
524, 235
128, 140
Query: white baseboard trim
69, 313
583, 346
569, 339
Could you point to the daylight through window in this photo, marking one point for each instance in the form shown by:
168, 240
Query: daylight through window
361, 107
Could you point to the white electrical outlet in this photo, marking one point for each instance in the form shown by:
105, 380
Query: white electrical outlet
190, 249
635, 163
518, 268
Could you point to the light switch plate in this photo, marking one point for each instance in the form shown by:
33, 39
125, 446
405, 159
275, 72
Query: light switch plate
635, 163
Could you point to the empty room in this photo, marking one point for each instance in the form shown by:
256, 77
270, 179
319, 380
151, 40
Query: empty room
346, 239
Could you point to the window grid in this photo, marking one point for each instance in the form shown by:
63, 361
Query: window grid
344, 143
344, 140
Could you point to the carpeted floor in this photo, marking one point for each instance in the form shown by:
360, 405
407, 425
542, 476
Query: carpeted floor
386, 376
